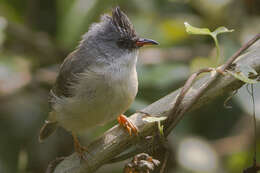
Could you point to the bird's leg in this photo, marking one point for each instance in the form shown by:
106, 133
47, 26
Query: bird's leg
127, 124
79, 148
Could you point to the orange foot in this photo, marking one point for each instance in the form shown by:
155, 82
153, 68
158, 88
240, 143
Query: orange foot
127, 124
79, 148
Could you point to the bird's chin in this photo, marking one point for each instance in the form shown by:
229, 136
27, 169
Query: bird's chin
129, 58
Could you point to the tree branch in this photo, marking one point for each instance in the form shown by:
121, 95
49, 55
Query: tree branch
115, 141
177, 111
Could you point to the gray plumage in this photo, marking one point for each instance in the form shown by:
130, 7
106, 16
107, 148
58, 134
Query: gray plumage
98, 81
99, 45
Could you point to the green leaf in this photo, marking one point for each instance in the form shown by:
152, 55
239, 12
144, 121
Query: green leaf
221, 30
194, 30
160, 128
154, 119
242, 73
151, 119
242, 77
205, 31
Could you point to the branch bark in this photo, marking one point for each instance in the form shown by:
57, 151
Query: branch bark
115, 141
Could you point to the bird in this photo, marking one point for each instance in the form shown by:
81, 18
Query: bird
98, 81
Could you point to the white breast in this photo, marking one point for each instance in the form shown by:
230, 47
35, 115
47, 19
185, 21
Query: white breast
101, 95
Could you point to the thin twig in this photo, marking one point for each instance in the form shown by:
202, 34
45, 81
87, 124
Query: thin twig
177, 112
240, 51
183, 92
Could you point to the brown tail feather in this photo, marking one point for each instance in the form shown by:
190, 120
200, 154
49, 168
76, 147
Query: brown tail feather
47, 129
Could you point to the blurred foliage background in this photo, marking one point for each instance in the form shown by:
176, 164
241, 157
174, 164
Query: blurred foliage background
36, 35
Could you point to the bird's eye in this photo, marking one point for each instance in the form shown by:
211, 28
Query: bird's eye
125, 43
120, 41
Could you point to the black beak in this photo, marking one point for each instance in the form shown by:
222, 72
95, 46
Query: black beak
143, 41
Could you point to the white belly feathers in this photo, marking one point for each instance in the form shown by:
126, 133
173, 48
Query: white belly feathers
100, 96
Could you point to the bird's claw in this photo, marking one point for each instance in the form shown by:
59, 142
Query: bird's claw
127, 124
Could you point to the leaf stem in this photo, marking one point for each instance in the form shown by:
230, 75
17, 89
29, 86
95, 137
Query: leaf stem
254, 119
219, 59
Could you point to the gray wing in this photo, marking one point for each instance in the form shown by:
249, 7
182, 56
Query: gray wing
71, 67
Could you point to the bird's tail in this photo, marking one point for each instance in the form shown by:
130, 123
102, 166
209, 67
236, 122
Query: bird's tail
47, 129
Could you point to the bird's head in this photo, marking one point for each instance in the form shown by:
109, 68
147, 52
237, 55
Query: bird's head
114, 35
128, 38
